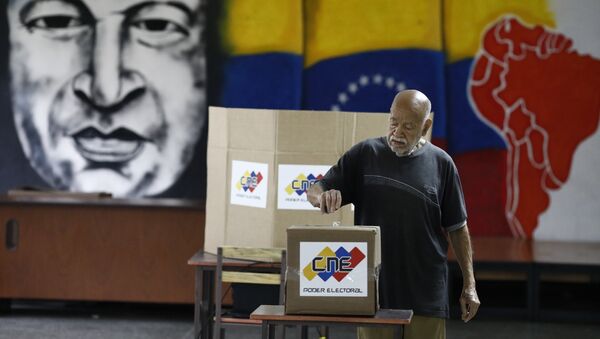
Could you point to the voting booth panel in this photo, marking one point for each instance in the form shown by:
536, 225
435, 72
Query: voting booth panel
260, 164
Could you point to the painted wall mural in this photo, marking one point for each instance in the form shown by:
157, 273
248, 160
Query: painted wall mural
532, 175
106, 95
524, 101
519, 87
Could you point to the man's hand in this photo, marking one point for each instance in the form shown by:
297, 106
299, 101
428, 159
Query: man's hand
330, 201
469, 303
461, 244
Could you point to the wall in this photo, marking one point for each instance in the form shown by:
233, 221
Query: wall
514, 86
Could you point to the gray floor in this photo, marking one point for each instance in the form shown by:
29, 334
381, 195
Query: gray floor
90, 320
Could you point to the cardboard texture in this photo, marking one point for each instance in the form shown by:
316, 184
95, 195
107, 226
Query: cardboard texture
318, 282
245, 149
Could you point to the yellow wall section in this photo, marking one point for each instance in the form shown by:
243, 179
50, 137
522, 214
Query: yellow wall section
341, 27
466, 21
259, 26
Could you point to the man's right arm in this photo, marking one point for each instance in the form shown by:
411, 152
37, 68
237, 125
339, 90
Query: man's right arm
329, 201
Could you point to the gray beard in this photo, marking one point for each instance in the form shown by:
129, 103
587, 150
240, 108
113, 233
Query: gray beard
419, 144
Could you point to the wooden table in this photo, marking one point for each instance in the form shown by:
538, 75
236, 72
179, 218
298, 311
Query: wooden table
495, 258
502, 259
204, 302
533, 262
567, 262
271, 315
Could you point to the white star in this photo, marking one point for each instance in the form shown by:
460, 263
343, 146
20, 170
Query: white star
401, 86
352, 87
335, 107
377, 78
342, 98
363, 80
389, 82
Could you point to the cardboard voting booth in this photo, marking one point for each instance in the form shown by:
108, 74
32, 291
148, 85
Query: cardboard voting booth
332, 270
260, 164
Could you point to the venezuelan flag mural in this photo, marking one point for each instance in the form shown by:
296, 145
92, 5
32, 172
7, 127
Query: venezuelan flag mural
263, 42
515, 86
524, 100
359, 54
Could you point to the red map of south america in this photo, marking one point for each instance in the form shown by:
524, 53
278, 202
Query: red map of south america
543, 98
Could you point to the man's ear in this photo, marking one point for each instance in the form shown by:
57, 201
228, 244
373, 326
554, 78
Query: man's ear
427, 125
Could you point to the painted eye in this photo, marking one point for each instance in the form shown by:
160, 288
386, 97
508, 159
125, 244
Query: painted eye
158, 32
159, 26
55, 22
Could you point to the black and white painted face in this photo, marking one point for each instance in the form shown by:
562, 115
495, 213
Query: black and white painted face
108, 95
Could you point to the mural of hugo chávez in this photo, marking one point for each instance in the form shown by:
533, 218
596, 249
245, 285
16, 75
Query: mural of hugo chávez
108, 95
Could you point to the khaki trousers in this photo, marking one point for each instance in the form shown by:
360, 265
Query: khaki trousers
419, 328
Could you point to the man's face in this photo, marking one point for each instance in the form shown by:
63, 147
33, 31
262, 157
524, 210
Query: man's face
108, 95
405, 129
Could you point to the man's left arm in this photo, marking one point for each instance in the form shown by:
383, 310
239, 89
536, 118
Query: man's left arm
461, 245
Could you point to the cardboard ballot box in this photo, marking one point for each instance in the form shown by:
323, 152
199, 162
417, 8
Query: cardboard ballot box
260, 163
332, 270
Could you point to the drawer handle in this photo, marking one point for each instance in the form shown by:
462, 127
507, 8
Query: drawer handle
12, 234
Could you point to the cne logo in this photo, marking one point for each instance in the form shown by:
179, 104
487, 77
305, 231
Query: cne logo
336, 264
302, 183
249, 181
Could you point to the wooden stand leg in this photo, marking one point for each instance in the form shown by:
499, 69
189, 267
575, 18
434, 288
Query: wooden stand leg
198, 303
5, 306
303, 332
398, 332
265, 330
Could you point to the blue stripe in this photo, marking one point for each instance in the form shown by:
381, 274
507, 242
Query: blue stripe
466, 132
325, 81
270, 80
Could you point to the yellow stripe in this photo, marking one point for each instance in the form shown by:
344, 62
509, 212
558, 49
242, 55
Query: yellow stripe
465, 21
341, 27
259, 26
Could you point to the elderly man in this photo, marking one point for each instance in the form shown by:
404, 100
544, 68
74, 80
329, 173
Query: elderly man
108, 95
411, 189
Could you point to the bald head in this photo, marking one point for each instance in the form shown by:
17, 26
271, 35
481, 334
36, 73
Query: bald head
409, 121
413, 101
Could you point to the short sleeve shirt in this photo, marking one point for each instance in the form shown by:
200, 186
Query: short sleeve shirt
415, 200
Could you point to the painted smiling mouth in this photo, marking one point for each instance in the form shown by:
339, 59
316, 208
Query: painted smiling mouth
118, 146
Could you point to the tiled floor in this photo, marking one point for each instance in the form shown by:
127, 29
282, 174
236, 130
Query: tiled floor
107, 320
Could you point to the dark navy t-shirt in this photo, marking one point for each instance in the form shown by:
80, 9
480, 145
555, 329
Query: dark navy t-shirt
415, 200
